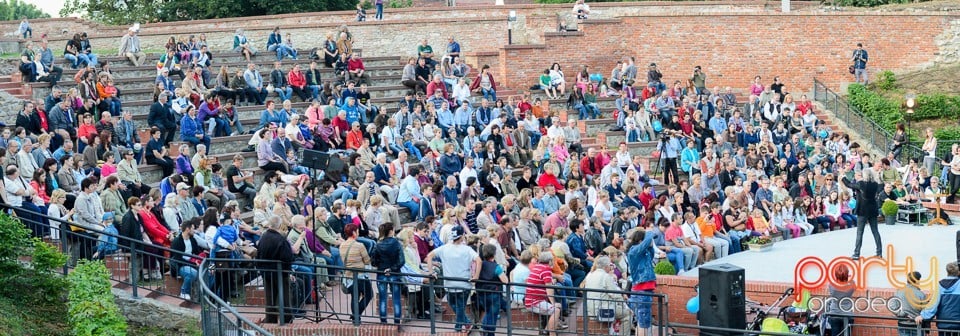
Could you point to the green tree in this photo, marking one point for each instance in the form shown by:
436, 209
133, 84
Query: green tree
14, 10
121, 12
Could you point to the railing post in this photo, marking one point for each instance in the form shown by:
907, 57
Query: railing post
433, 308
64, 237
279, 300
356, 304
509, 308
583, 313
134, 270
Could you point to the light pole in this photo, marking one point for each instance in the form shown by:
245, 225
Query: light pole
910, 101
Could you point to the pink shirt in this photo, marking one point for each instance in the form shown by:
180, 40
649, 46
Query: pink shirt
673, 232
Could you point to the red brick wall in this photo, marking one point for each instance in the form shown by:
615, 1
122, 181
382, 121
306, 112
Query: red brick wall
731, 54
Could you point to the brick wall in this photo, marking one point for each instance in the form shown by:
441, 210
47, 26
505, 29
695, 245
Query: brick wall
679, 290
731, 54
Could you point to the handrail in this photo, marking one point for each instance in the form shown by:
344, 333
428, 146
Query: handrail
209, 295
869, 130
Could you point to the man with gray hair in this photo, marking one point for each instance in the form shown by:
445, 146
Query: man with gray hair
300, 238
866, 190
604, 297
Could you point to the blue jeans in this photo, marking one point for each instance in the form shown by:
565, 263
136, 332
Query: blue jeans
379, 15
490, 94
393, 281
413, 206
491, 306
301, 270
534, 138
284, 93
314, 91
367, 242
28, 31
458, 301
675, 256
342, 193
735, 238
589, 111
193, 140
75, 61
413, 150
189, 275
333, 260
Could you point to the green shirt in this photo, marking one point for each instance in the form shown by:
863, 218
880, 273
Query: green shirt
29, 53
424, 49
545, 80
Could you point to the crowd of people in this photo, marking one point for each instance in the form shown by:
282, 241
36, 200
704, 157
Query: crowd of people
497, 191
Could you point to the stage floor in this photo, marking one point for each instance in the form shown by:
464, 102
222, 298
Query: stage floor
924, 244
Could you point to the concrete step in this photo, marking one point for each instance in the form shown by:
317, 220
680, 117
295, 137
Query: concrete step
218, 57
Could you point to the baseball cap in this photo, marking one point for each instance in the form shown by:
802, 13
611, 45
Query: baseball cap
456, 233
182, 186
108, 215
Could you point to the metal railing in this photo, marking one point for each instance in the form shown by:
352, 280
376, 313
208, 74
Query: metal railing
862, 324
418, 302
870, 131
127, 263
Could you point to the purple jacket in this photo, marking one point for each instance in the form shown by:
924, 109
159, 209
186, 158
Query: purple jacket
205, 112
312, 242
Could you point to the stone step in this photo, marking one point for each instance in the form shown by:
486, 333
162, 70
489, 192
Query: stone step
146, 92
220, 57
42, 89
126, 70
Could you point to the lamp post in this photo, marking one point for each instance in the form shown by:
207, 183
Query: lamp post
910, 101
511, 18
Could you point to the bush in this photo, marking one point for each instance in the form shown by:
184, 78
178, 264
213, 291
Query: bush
947, 133
92, 310
37, 282
882, 111
664, 267
887, 80
869, 3
889, 208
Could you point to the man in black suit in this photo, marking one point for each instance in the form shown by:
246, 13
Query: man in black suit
161, 116
867, 208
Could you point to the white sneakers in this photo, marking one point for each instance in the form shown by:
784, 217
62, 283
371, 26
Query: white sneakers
185, 296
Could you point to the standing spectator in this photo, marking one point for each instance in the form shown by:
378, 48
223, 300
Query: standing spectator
273, 246
130, 47
458, 261
387, 257
379, 14
860, 59
490, 282
355, 256
163, 119
540, 300
642, 280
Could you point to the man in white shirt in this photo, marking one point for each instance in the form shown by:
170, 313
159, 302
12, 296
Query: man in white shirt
20, 196
692, 236
458, 261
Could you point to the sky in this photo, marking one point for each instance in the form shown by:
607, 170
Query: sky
51, 7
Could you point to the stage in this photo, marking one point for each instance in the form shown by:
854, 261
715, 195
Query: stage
925, 245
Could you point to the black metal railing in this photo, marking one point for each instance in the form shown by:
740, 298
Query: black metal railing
870, 131
140, 267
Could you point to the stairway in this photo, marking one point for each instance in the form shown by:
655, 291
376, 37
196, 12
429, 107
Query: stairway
14, 87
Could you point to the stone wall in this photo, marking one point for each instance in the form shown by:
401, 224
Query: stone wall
156, 314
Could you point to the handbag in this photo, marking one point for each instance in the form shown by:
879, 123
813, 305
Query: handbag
270, 88
852, 69
657, 125
606, 315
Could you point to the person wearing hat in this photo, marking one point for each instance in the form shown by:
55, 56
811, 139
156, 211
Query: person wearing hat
130, 47
654, 78
107, 242
187, 210
458, 261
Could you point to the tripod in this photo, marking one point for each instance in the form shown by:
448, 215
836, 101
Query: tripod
661, 164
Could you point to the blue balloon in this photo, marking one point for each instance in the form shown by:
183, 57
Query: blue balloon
693, 305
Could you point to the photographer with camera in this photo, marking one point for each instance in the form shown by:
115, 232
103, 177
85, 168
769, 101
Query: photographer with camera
669, 148
699, 80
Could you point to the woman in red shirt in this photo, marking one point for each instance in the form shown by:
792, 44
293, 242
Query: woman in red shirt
158, 234
549, 177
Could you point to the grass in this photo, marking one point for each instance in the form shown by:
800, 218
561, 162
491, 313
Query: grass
32, 320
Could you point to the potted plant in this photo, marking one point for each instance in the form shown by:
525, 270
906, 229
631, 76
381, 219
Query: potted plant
760, 244
664, 267
889, 210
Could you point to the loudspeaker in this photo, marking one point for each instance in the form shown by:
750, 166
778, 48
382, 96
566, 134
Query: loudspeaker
722, 298
314, 159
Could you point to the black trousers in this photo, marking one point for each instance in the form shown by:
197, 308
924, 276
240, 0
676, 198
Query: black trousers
670, 167
861, 222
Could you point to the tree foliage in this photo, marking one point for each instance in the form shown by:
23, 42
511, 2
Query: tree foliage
14, 10
122, 12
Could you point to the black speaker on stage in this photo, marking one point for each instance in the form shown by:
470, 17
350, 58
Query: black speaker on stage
722, 298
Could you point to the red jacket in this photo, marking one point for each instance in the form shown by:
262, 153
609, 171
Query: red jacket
297, 79
546, 179
645, 199
151, 225
355, 64
354, 139
585, 166
476, 83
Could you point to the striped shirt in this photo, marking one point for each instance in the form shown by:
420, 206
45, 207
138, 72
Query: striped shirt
540, 275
